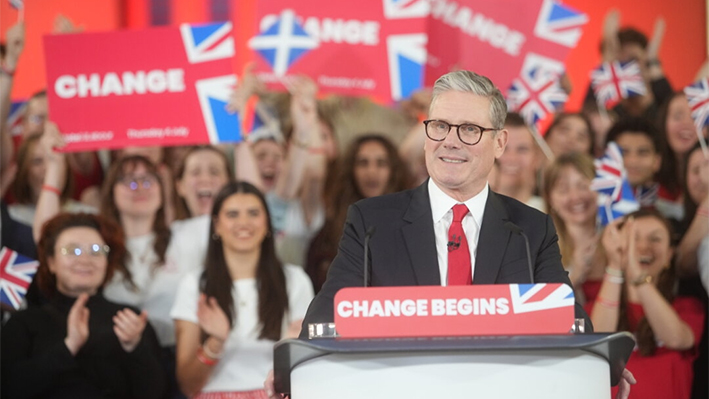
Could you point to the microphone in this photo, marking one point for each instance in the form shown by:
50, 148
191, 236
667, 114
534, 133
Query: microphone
518, 230
367, 236
453, 244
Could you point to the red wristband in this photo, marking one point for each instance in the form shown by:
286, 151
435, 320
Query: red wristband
204, 359
51, 189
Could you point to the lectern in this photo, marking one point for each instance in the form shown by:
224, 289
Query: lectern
491, 367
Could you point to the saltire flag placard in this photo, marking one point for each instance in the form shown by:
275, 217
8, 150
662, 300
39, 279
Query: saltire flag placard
16, 273
160, 86
494, 38
375, 48
614, 81
698, 98
615, 197
537, 92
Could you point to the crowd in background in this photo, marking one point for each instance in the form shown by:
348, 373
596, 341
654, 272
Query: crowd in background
172, 271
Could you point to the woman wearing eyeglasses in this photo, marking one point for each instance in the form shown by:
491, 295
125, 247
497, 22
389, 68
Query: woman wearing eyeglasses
79, 344
159, 255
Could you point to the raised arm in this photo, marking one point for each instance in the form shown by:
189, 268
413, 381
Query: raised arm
306, 133
15, 44
49, 201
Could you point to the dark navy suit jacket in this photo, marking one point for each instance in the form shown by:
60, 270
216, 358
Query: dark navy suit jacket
403, 248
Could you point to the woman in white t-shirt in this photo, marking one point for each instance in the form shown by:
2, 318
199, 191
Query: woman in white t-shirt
228, 317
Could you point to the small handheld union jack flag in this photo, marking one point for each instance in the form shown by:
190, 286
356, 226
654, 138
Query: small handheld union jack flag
535, 94
698, 98
615, 197
16, 273
614, 81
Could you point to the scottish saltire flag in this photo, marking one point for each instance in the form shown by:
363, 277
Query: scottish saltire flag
647, 196
407, 59
615, 197
208, 42
535, 94
698, 98
283, 42
560, 24
614, 81
534, 297
395, 9
16, 273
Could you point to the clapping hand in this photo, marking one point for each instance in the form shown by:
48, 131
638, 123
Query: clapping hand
77, 325
212, 319
614, 243
129, 327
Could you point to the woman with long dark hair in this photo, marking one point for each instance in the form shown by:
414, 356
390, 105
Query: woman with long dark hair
638, 294
78, 344
228, 317
370, 167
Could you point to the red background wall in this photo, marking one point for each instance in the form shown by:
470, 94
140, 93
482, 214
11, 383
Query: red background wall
683, 51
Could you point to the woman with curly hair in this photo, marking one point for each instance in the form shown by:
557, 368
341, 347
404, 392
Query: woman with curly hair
79, 344
370, 167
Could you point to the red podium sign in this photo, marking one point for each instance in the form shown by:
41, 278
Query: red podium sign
433, 311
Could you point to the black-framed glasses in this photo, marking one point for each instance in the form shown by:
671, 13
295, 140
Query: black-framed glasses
133, 182
468, 133
91, 249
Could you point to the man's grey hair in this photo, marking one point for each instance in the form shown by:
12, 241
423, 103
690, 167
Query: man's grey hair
471, 82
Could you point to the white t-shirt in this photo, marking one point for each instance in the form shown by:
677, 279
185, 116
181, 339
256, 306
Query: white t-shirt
157, 284
246, 359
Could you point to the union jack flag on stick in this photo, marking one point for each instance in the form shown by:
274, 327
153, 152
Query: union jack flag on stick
16, 273
535, 94
615, 197
698, 98
614, 81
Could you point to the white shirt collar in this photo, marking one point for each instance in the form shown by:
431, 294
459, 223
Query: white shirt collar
441, 203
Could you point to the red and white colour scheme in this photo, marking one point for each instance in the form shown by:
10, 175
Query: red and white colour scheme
433, 311
161, 86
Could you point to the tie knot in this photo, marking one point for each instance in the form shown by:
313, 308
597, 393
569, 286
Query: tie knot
459, 212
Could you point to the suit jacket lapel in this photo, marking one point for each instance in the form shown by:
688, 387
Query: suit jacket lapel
492, 242
420, 239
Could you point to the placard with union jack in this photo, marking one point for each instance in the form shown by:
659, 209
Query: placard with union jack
153, 87
16, 273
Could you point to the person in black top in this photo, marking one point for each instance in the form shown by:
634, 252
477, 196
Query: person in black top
78, 344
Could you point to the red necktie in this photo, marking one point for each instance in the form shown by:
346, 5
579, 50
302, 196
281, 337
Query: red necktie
459, 269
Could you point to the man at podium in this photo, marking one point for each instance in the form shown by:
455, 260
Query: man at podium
452, 229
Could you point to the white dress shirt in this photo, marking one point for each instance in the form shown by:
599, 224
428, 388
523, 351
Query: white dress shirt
441, 209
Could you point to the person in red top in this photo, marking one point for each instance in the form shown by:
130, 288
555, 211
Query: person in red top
638, 295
